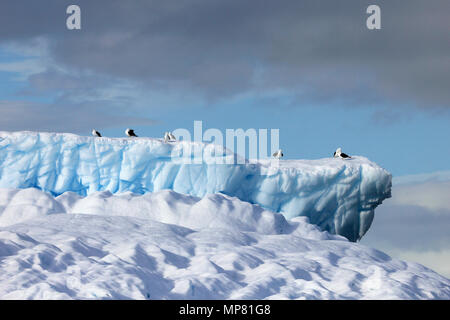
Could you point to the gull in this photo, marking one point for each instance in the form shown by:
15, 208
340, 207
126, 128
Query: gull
130, 133
168, 137
278, 154
172, 137
339, 154
95, 133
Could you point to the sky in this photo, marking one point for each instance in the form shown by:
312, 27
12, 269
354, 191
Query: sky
311, 69
414, 224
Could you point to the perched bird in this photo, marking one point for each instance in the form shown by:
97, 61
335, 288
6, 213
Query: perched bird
95, 133
339, 154
278, 154
130, 133
172, 137
168, 136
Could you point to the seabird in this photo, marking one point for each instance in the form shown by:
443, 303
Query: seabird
95, 133
339, 154
130, 133
172, 137
278, 154
168, 136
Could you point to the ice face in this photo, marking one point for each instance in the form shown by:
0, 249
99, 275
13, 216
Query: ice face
337, 195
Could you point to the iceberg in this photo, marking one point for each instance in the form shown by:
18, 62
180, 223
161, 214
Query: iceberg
337, 195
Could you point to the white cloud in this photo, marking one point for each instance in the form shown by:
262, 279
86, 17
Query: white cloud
414, 224
432, 195
437, 260
34, 56
23, 68
420, 178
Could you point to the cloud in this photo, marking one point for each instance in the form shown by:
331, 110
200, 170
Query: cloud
433, 195
24, 68
414, 224
63, 117
421, 178
409, 227
438, 260
320, 51
51, 97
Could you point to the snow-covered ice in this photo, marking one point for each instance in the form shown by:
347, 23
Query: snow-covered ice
114, 218
166, 245
338, 195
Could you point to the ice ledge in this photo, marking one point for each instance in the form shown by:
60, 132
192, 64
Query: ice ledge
337, 195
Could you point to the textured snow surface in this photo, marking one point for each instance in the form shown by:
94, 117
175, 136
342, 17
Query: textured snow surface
338, 195
166, 245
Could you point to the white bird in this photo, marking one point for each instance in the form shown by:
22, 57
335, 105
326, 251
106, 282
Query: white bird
166, 137
130, 133
172, 137
278, 154
95, 133
339, 154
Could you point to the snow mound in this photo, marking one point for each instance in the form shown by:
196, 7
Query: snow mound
166, 245
166, 206
337, 195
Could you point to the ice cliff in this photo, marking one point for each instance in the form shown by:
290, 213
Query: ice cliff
337, 195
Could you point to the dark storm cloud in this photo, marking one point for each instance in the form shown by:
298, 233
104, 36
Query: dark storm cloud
316, 50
